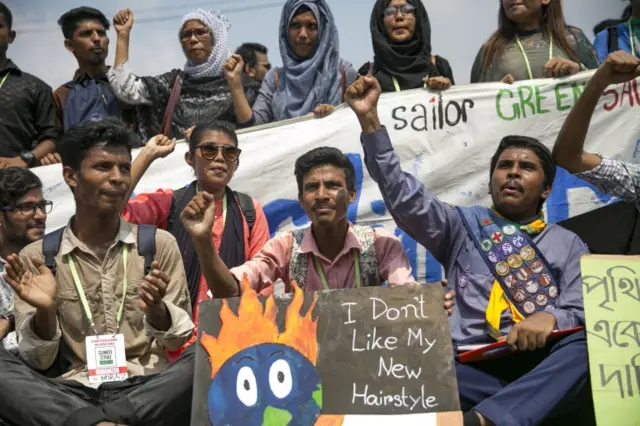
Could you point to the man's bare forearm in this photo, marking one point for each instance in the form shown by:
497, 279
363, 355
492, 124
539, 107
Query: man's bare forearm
45, 323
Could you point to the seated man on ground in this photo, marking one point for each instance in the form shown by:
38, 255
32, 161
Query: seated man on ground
609, 175
515, 277
23, 211
240, 228
330, 254
95, 283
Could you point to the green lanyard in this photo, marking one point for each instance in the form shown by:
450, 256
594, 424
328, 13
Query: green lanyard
632, 39
83, 297
526, 58
320, 269
4, 79
397, 86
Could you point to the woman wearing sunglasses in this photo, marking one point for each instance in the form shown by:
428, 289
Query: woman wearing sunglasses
532, 41
401, 36
313, 78
175, 101
240, 226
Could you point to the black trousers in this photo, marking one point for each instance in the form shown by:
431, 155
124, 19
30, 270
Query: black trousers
27, 398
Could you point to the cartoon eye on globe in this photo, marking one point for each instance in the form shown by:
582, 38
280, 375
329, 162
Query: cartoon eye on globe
259, 375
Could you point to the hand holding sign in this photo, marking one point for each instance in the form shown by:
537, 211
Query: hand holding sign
197, 218
619, 67
38, 290
560, 67
532, 333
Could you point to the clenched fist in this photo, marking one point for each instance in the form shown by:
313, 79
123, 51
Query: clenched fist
197, 218
233, 69
123, 22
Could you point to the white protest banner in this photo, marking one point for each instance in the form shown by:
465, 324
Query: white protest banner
445, 138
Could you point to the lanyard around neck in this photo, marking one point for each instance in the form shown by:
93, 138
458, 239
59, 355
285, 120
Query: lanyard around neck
397, 85
632, 39
320, 270
526, 58
83, 297
4, 79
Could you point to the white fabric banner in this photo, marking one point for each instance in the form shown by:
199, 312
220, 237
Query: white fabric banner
445, 138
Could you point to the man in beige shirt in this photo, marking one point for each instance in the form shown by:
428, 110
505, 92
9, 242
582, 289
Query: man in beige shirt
99, 288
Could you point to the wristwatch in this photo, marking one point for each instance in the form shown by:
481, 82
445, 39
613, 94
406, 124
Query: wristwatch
29, 158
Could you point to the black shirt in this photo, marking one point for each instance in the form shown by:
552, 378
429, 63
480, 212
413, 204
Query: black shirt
27, 114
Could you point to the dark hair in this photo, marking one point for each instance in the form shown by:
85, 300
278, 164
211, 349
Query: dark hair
77, 141
552, 23
69, 21
543, 153
325, 156
15, 183
8, 16
248, 52
626, 14
216, 126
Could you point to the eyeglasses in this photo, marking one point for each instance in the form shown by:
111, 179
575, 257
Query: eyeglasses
200, 33
392, 11
210, 151
29, 209
266, 65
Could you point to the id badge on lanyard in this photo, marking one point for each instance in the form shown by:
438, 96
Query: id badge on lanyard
106, 355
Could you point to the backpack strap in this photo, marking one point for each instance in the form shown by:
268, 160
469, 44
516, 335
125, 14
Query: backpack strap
174, 98
299, 262
613, 39
248, 209
370, 271
50, 248
147, 245
178, 203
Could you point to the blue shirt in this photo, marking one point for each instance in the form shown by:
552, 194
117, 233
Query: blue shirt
438, 227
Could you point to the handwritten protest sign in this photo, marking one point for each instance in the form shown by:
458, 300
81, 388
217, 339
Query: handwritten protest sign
336, 358
611, 288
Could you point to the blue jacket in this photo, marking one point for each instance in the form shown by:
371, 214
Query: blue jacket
601, 44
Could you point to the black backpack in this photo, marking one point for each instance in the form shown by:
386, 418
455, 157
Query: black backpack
146, 246
613, 39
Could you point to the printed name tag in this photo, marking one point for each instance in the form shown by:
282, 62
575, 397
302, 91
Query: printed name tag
106, 359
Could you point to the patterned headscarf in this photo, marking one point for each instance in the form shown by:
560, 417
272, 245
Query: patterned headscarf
219, 26
308, 82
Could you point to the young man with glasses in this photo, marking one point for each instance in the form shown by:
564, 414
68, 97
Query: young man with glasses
100, 311
23, 212
256, 62
241, 229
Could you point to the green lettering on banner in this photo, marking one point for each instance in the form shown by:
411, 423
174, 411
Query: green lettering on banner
560, 96
526, 102
539, 99
516, 108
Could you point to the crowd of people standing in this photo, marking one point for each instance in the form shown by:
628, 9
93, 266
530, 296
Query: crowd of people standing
510, 275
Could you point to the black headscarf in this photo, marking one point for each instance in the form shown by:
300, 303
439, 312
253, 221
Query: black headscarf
409, 62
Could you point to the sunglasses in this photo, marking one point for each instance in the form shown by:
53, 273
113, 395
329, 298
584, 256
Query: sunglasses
29, 209
392, 11
200, 34
210, 151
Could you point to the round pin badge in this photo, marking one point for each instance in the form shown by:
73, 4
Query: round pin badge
486, 245
502, 268
553, 292
463, 281
541, 300
509, 230
527, 253
532, 287
496, 237
510, 281
519, 295
515, 261
545, 280
529, 307
537, 266
493, 257
506, 248
524, 274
